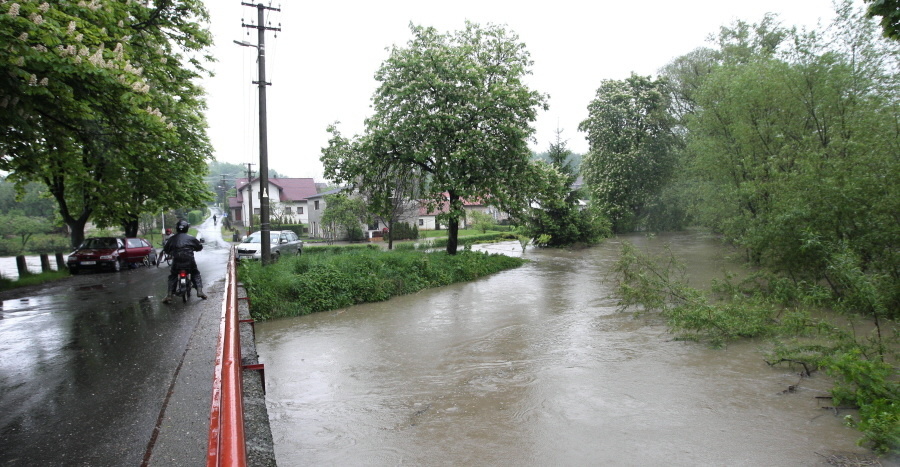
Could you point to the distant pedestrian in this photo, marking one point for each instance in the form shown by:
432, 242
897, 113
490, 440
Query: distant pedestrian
214, 219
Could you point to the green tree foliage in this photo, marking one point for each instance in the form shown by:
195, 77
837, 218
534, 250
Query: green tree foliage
556, 215
561, 157
390, 190
24, 227
343, 216
631, 148
452, 113
480, 221
889, 11
794, 155
100, 104
30, 199
555, 212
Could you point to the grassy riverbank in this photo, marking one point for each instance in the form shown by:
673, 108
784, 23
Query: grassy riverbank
32, 279
332, 278
807, 329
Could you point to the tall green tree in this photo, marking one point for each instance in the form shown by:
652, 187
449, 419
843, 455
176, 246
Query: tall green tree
454, 109
631, 147
555, 212
100, 99
794, 155
560, 156
344, 213
390, 190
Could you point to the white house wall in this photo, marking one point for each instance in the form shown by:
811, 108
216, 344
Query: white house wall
274, 196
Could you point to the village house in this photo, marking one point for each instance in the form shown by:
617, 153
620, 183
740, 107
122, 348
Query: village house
427, 219
288, 200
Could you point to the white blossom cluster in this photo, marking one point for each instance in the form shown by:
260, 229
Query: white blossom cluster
157, 113
131, 76
94, 5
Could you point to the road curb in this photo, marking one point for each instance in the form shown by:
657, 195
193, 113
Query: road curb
257, 432
183, 429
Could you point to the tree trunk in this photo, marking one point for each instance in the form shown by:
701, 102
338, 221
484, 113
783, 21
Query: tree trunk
76, 225
390, 233
77, 228
452, 227
131, 227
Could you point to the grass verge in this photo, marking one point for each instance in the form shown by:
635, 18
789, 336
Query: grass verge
335, 279
32, 279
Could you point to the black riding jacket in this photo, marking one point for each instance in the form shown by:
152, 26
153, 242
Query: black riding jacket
180, 245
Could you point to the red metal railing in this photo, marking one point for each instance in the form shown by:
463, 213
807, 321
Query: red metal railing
227, 445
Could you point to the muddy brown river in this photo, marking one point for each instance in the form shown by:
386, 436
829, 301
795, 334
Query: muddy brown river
534, 366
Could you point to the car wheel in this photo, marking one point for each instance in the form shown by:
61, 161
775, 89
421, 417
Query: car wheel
73, 270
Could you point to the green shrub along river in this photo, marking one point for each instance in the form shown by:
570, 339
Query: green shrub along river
332, 278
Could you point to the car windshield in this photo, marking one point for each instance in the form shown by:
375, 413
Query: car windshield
98, 243
257, 238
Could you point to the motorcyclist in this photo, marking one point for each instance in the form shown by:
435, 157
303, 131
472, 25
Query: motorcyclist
181, 248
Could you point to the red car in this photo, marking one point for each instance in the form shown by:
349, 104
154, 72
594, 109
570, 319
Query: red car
111, 253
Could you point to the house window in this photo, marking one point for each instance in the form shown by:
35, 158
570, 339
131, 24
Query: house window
300, 210
421, 222
317, 205
255, 210
288, 210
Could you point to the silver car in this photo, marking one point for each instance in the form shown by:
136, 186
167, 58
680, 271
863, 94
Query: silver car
281, 242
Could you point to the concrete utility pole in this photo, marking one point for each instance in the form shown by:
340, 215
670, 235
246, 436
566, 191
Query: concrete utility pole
250, 199
261, 29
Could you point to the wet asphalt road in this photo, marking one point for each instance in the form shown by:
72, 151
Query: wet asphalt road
89, 365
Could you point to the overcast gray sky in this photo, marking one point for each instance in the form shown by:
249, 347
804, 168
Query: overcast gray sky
321, 65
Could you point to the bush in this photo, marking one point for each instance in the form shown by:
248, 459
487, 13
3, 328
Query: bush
403, 231
195, 217
355, 234
332, 249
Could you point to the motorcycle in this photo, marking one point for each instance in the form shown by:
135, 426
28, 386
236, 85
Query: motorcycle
183, 285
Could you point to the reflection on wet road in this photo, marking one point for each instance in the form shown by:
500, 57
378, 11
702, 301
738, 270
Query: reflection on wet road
86, 362
533, 366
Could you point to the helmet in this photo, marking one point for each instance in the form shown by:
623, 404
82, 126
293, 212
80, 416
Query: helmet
182, 226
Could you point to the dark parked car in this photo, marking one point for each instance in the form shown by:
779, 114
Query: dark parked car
112, 253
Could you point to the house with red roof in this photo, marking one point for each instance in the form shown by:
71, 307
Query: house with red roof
287, 200
427, 218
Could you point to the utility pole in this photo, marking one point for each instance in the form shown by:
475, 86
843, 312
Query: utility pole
224, 188
250, 199
261, 29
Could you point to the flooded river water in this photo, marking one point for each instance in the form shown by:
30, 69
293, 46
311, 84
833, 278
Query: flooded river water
534, 366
